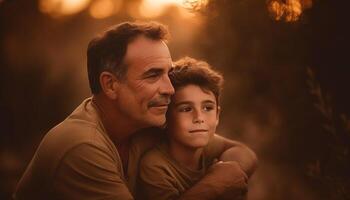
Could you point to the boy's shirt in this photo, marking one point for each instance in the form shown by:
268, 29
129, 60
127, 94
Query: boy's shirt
162, 177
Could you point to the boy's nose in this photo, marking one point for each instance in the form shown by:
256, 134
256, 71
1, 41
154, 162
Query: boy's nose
198, 118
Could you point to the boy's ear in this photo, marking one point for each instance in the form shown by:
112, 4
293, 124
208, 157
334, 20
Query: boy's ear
109, 84
218, 115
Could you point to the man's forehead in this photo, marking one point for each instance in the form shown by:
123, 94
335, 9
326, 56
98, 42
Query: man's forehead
151, 61
143, 54
145, 48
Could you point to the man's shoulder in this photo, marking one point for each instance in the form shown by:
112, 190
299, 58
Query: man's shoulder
78, 137
81, 127
146, 139
71, 133
154, 158
60, 140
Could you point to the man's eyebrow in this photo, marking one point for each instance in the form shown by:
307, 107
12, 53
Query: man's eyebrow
153, 71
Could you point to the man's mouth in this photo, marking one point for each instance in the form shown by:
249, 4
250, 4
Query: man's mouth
159, 108
159, 104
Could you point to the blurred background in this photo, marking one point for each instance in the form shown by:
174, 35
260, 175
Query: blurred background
286, 67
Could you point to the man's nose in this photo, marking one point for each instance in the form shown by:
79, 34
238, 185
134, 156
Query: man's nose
166, 88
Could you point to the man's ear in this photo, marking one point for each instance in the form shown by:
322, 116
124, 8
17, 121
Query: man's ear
218, 115
109, 84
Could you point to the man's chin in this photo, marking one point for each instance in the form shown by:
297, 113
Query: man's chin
157, 121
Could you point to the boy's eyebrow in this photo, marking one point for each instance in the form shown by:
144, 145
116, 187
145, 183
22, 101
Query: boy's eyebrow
183, 102
190, 102
209, 101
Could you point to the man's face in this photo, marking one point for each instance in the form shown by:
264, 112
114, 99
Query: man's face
145, 93
193, 117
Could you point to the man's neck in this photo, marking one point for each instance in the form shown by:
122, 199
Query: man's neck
117, 126
188, 157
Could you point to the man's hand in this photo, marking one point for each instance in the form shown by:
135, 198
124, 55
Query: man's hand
228, 177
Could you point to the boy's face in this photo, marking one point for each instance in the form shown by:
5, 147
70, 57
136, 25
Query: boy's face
193, 116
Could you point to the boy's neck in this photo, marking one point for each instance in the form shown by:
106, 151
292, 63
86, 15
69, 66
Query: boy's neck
186, 156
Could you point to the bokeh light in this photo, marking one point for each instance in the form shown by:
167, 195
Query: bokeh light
57, 8
100, 9
289, 10
155, 8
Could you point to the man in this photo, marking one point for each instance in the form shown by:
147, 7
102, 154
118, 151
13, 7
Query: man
94, 153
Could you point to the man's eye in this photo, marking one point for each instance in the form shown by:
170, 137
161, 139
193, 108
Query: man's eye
153, 75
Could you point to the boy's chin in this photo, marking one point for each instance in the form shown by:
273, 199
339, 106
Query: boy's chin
198, 145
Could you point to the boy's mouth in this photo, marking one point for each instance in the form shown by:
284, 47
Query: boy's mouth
198, 131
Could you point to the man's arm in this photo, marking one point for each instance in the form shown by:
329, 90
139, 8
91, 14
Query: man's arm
155, 180
229, 150
222, 178
228, 176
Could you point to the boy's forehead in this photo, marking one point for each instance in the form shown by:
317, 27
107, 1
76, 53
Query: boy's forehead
193, 93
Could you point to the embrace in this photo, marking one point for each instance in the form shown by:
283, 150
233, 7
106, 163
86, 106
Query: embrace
147, 132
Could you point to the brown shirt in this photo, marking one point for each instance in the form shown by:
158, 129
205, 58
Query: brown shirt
77, 160
163, 178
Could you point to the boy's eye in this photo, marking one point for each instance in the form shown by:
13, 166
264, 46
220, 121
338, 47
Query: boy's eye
185, 109
208, 108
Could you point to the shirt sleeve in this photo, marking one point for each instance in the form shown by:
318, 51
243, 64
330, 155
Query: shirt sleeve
89, 172
155, 182
214, 149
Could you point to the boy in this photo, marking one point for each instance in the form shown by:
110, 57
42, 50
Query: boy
177, 163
